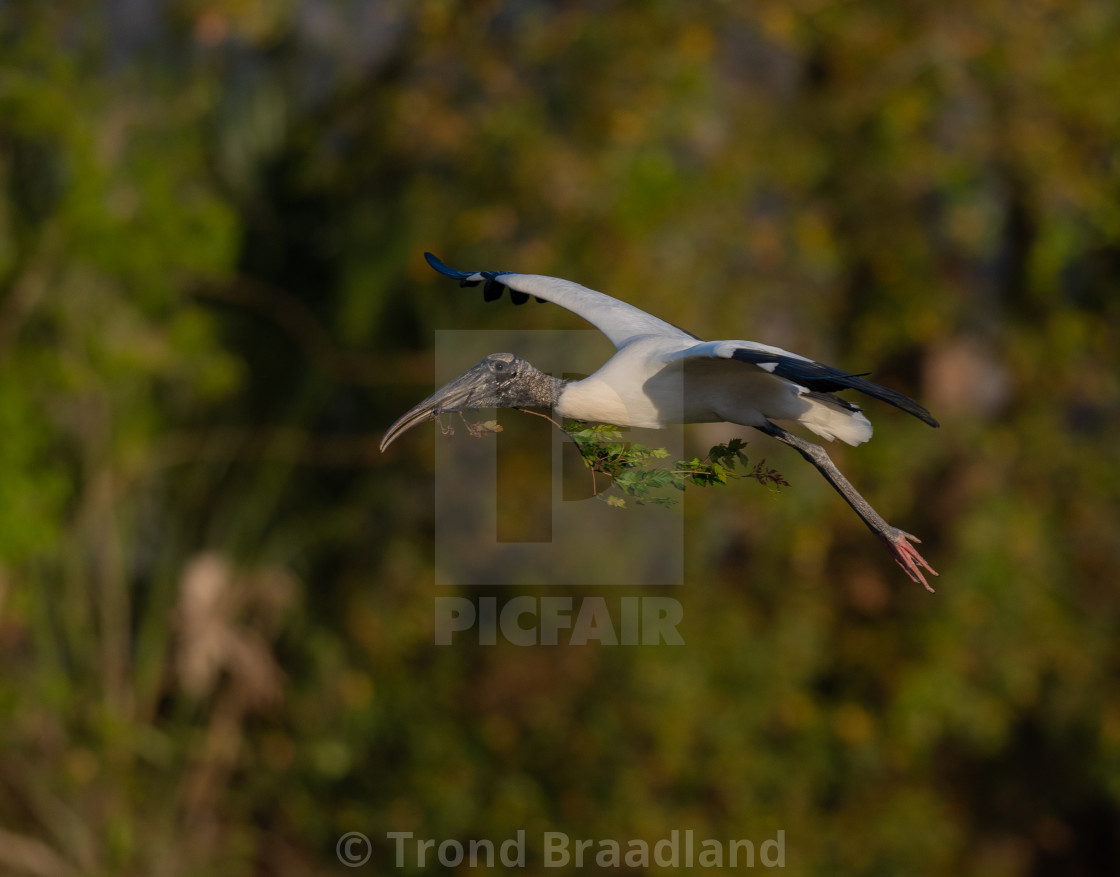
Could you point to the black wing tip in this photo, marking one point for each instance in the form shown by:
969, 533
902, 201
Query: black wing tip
439, 266
914, 409
892, 397
817, 377
900, 401
493, 288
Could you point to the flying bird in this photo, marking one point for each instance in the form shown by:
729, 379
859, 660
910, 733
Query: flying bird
661, 375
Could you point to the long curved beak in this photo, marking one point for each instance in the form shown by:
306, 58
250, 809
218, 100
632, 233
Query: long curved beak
457, 395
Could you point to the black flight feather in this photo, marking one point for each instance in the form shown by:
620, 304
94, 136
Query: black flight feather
493, 288
825, 379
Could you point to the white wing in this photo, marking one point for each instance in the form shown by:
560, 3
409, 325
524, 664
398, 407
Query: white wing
804, 372
620, 322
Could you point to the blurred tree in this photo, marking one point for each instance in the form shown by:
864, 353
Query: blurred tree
215, 596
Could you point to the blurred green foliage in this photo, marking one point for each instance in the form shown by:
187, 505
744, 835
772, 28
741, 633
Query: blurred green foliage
216, 596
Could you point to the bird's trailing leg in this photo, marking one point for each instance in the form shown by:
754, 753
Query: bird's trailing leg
897, 541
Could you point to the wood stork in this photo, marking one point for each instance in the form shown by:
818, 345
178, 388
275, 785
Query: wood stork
662, 374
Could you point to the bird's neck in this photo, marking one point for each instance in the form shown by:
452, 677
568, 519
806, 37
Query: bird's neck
535, 390
548, 389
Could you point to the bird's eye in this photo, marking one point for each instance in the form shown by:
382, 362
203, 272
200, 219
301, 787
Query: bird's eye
499, 366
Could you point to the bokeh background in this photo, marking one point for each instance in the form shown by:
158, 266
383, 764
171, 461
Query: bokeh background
216, 595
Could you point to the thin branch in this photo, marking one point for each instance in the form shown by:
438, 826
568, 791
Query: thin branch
545, 416
579, 447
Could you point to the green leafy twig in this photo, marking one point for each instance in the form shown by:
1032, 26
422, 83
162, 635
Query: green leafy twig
631, 467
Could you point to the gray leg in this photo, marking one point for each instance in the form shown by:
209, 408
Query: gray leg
896, 540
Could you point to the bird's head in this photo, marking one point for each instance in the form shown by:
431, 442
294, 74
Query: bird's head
501, 380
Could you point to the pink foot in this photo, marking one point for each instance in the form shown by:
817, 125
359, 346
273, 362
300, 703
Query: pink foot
906, 555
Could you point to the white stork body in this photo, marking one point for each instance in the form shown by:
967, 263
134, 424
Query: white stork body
653, 382
662, 375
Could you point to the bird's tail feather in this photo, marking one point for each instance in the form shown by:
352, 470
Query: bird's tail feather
832, 418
